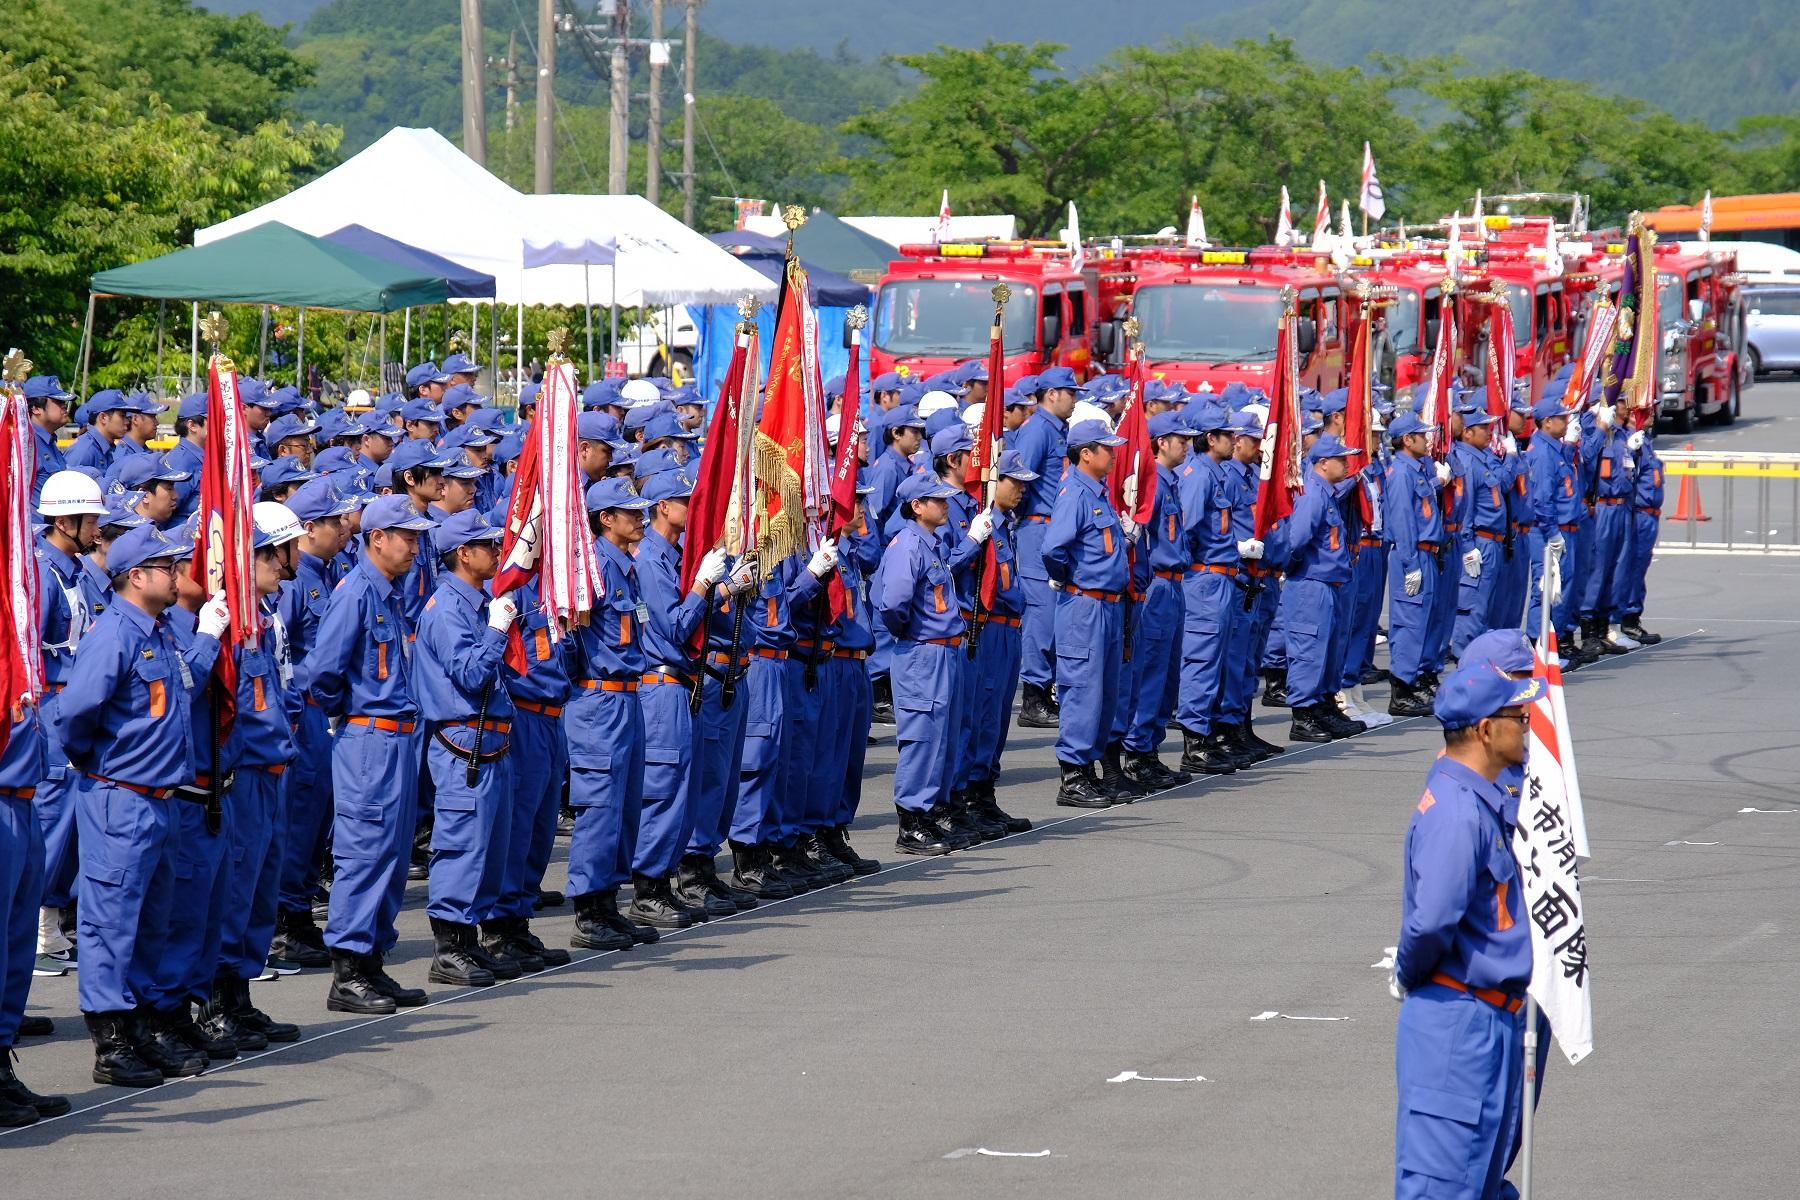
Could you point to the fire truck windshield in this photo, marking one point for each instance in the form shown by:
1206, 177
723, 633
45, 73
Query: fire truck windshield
1200, 323
1670, 310
950, 317
1518, 298
1404, 328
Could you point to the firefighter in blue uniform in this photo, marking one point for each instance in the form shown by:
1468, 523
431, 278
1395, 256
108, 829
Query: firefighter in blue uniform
48, 402
22, 769
1484, 543
1318, 570
1647, 501
109, 416
1612, 491
1463, 958
900, 432
1083, 551
360, 669
1555, 504
189, 453
1043, 447
996, 663
1413, 526
1211, 609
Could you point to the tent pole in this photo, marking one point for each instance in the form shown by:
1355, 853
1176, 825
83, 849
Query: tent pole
494, 342
612, 345
162, 314
194, 350
519, 348
475, 335
87, 344
587, 295
300, 358
381, 378
406, 339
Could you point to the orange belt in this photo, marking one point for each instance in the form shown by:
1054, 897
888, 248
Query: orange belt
768, 652
993, 619
1215, 568
1429, 547
1260, 572
496, 726
856, 654
385, 724
1609, 500
542, 710
719, 658
24, 793
1107, 597
822, 647
655, 677
949, 641
271, 768
1498, 999
608, 685
1651, 512
1448, 528
155, 793
1171, 576
1569, 528
53, 688
1369, 543
1037, 517
1492, 537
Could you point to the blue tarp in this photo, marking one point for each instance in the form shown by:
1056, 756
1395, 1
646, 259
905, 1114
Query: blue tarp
833, 297
463, 282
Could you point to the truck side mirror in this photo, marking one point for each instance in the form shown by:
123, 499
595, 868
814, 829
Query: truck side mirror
1306, 337
1696, 309
1431, 332
1106, 336
1050, 330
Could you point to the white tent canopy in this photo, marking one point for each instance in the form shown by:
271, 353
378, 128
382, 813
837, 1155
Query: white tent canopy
414, 186
900, 231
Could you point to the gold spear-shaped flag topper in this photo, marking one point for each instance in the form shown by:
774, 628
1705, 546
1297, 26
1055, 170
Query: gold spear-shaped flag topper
1001, 294
748, 306
214, 328
857, 317
1132, 328
17, 368
793, 216
557, 339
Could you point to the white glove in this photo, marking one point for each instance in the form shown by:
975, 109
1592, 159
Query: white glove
1555, 543
982, 527
1414, 582
502, 612
1250, 548
1129, 526
214, 617
1510, 443
1635, 442
1472, 564
712, 569
1572, 435
824, 559
1443, 474
742, 579
1603, 416
1394, 988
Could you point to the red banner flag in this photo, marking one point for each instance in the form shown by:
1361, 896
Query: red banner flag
1282, 456
793, 476
1359, 405
1502, 359
21, 659
850, 434
1132, 481
224, 533
1602, 323
721, 468
983, 473
521, 546
1434, 410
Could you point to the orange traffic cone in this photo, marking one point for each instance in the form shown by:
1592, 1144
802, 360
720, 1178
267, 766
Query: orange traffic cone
1687, 494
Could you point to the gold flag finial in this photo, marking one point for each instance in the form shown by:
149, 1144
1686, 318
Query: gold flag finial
857, 317
557, 339
1001, 293
793, 216
214, 329
1132, 326
17, 367
1288, 297
748, 306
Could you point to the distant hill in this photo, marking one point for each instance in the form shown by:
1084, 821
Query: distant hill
275, 12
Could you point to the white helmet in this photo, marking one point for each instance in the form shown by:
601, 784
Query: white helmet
973, 415
931, 402
639, 391
70, 494
359, 398
1087, 410
833, 423
278, 522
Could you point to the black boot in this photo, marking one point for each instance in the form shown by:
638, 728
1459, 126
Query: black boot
163, 1049
1597, 639
1308, 727
750, 873
1339, 722
983, 798
36, 1027
975, 813
547, 898
352, 990
643, 935
520, 935
13, 1093
918, 835
836, 842
219, 1017
1078, 790
1220, 746
1632, 626
1406, 700
792, 868
1114, 783
116, 1059
1035, 708
452, 963
957, 833
565, 822
882, 694
299, 942
499, 942
376, 969
697, 880
592, 930
650, 907
1261, 748
1200, 758
1147, 771
1274, 689
178, 1023
822, 860
498, 967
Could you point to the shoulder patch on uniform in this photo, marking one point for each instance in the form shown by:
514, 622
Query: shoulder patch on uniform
1427, 800
313, 593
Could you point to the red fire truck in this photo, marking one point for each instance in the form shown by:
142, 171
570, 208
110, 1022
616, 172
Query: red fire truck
1210, 316
1409, 325
1700, 332
1522, 255
934, 308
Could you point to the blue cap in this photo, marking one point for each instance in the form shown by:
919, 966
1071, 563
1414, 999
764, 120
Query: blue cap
667, 425
1328, 446
461, 466
1055, 377
666, 485
911, 392
142, 403
686, 396
921, 486
599, 427
640, 415
415, 452
1336, 400
1475, 418
972, 371
424, 373
952, 439
383, 476
1502, 649
378, 424
141, 470
1165, 423
489, 418
1476, 690
1406, 423
946, 382
331, 424
458, 395
887, 381
460, 364
1244, 423
528, 393
1311, 422
394, 512
1548, 407
602, 392
286, 469
107, 400
282, 428
1013, 398
252, 391
315, 499
459, 529
284, 399
1090, 433
1027, 385
46, 387
510, 447
614, 493
653, 462
1204, 416
903, 416
939, 421
1012, 465
468, 434
119, 514
835, 385
138, 546
422, 410
389, 403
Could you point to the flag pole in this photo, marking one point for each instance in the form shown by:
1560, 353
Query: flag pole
1552, 585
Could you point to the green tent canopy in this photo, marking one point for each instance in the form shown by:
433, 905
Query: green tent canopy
275, 264
837, 245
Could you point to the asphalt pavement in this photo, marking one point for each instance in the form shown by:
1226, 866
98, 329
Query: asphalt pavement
1079, 1010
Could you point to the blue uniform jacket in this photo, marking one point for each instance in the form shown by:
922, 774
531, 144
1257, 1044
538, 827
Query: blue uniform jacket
90, 452
1042, 442
67, 605
126, 712
1085, 544
1410, 515
361, 662
673, 614
610, 645
459, 657
913, 588
1318, 544
185, 456
1207, 501
49, 461
1484, 483
546, 678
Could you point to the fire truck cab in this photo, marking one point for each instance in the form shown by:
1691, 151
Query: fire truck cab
1521, 254
1700, 332
934, 308
1407, 328
1209, 317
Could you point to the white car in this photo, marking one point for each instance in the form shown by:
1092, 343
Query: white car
653, 347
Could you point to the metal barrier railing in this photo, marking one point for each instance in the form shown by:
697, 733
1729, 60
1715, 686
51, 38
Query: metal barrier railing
1747, 502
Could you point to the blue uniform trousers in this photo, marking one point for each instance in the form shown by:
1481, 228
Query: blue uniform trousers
968, 703
799, 746
21, 887
1643, 545
255, 869
1600, 591
834, 777
721, 755
1576, 571
306, 811
996, 672
1211, 607
1247, 655
1410, 619
671, 750
1458, 1062
756, 804
606, 787
1156, 634
540, 766
1443, 608
55, 805
1089, 644
1309, 611
1508, 611
1475, 594
127, 883
374, 782
927, 690
1368, 588
470, 834
1037, 642
197, 908
1275, 648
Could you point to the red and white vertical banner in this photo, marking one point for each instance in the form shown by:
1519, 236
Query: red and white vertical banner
1321, 219
223, 535
570, 570
21, 658
1284, 221
941, 231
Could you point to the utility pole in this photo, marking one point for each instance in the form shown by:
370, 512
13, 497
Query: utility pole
659, 54
687, 117
546, 98
619, 160
512, 79
474, 84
